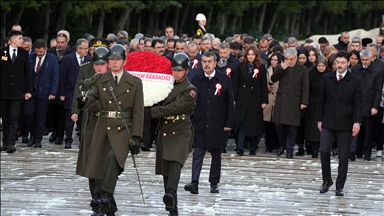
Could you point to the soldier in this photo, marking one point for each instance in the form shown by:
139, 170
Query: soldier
118, 97
175, 132
201, 21
86, 71
99, 66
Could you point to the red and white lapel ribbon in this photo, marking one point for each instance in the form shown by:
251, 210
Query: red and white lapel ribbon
255, 73
195, 62
228, 71
218, 88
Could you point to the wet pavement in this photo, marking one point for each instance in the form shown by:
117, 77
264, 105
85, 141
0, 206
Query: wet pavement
43, 182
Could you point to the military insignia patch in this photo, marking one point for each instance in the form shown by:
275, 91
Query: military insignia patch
192, 93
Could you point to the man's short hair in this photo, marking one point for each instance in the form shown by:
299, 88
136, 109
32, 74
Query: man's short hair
322, 40
366, 52
171, 40
224, 45
285, 40
158, 33
374, 45
196, 37
206, 38
148, 39
342, 54
261, 39
123, 42
249, 40
180, 41
112, 38
210, 54
292, 40
193, 44
80, 41
39, 43
234, 45
27, 39
278, 48
290, 51
156, 41
123, 32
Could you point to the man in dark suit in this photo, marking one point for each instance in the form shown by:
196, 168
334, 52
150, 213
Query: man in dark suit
56, 112
16, 85
86, 71
371, 84
213, 117
180, 47
45, 80
292, 98
195, 66
339, 116
227, 62
69, 70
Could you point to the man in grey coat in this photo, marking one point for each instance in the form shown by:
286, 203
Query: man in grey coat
292, 97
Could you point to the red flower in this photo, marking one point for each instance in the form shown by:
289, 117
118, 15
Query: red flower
144, 61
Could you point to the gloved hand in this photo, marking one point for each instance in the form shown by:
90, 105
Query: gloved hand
135, 146
80, 101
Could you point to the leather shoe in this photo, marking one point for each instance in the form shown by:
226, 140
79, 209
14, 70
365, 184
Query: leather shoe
59, 141
144, 148
214, 188
280, 151
24, 139
240, 152
289, 155
4, 148
31, 141
325, 187
38, 144
105, 203
366, 158
53, 137
252, 153
11, 149
192, 187
300, 152
174, 212
68, 145
352, 156
339, 192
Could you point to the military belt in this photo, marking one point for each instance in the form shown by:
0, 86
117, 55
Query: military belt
177, 117
115, 114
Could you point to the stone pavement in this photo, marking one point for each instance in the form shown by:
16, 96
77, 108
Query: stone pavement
43, 182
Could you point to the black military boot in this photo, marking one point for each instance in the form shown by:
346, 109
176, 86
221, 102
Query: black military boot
95, 205
105, 203
192, 187
174, 212
169, 199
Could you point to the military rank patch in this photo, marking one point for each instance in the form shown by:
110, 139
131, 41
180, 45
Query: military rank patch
192, 93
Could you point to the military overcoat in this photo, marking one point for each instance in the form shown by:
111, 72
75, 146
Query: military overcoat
175, 136
110, 132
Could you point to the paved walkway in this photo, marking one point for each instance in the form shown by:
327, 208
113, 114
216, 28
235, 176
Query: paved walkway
43, 182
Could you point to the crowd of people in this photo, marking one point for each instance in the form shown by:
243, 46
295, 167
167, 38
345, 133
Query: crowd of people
325, 98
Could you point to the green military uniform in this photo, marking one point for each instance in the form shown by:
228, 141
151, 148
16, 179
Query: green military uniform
110, 133
175, 136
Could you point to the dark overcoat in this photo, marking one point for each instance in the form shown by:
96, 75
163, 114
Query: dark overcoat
292, 92
47, 80
15, 77
371, 84
86, 71
213, 111
230, 67
249, 93
174, 137
110, 132
88, 124
69, 70
195, 67
312, 133
339, 105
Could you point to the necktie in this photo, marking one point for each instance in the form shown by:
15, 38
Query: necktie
340, 77
14, 56
38, 66
116, 80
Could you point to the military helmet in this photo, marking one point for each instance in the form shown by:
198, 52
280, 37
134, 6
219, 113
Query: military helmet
200, 16
100, 55
180, 61
117, 51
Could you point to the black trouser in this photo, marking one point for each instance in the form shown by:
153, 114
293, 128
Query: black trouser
286, 135
271, 141
68, 126
197, 164
362, 142
10, 113
22, 127
56, 118
35, 111
327, 138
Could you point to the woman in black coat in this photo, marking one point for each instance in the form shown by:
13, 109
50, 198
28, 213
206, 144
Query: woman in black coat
251, 96
312, 133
